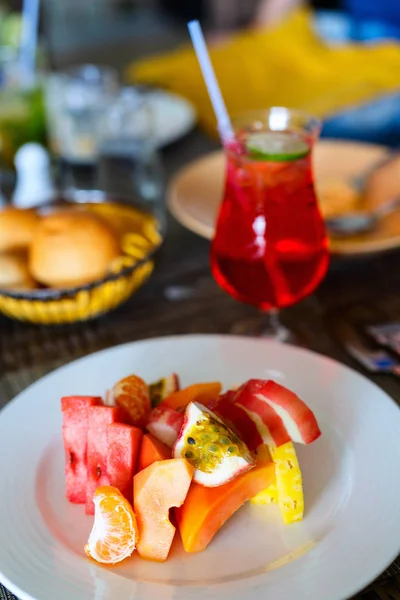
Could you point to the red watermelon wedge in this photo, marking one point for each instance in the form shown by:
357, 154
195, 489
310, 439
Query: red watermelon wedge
75, 411
100, 417
123, 447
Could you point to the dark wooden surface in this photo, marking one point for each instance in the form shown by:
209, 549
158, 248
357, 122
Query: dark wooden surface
182, 297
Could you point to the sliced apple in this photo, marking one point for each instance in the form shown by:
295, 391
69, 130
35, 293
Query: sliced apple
239, 420
298, 419
269, 423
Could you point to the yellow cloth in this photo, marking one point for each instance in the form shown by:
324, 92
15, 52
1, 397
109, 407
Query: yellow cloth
287, 65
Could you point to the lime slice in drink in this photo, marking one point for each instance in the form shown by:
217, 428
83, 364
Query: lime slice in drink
276, 146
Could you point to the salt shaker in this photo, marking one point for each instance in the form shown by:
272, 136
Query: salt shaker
34, 182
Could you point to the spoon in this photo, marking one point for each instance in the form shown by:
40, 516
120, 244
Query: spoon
359, 181
361, 222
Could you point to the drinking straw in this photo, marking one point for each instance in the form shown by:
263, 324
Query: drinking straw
221, 113
29, 37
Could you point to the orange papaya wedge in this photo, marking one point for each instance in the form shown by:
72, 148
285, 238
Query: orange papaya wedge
203, 393
206, 509
151, 451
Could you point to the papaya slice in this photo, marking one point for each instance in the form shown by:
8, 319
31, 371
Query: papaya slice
151, 451
199, 392
206, 509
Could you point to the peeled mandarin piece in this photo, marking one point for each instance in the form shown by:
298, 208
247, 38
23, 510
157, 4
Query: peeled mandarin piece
131, 394
206, 509
199, 392
288, 483
151, 451
156, 489
114, 534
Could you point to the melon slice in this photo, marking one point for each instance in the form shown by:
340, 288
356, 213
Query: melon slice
158, 488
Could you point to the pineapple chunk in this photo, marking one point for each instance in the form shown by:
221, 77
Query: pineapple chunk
288, 483
268, 496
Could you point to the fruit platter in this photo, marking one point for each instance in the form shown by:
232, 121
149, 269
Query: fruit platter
198, 467
147, 449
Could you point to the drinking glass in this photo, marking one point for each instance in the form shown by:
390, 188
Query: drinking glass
270, 247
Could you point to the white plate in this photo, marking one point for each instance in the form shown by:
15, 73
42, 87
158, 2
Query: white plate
350, 533
174, 116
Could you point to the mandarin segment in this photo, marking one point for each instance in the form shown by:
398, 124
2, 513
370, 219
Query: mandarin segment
114, 534
132, 395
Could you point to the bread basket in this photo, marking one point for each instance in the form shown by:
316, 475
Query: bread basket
49, 306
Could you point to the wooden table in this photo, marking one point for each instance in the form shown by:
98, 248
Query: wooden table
181, 297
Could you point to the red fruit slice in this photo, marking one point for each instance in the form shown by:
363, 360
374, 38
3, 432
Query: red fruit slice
123, 445
235, 416
268, 422
75, 411
99, 419
132, 395
298, 418
165, 424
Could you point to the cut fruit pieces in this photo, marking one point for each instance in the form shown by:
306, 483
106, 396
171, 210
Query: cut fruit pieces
99, 419
132, 395
199, 392
163, 388
288, 483
75, 412
165, 424
236, 417
156, 490
216, 452
151, 451
297, 417
269, 424
268, 496
114, 534
206, 509
123, 445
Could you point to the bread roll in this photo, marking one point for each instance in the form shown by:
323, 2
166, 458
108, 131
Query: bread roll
72, 248
14, 273
17, 228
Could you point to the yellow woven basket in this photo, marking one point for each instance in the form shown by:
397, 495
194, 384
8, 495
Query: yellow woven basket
129, 273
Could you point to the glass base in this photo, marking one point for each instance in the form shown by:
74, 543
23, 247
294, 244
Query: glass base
269, 327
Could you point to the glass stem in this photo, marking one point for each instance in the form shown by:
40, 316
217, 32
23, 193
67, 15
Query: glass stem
273, 328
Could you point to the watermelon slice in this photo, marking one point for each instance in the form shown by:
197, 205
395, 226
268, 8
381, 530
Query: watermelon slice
75, 411
123, 447
99, 419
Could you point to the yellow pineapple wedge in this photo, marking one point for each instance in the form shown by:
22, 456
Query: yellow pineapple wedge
288, 489
268, 496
